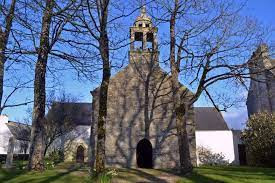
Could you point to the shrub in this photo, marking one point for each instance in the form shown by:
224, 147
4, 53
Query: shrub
49, 165
20, 164
104, 177
259, 138
207, 157
54, 157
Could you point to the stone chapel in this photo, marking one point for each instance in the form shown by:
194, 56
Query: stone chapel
141, 130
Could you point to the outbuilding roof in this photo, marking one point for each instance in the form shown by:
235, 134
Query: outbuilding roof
79, 113
19, 130
208, 118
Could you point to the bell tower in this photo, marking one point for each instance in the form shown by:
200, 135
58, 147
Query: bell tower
144, 45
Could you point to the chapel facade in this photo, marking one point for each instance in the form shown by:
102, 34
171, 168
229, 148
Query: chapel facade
141, 127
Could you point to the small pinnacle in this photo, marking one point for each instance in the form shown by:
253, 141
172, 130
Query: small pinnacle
143, 10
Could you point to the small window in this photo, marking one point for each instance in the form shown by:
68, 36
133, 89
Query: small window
140, 25
147, 25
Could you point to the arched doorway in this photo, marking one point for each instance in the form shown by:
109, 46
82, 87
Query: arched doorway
144, 154
80, 154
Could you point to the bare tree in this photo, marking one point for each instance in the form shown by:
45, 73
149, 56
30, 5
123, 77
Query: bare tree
36, 160
95, 23
59, 13
5, 31
8, 12
60, 119
185, 160
102, 10
17, 86
210, 43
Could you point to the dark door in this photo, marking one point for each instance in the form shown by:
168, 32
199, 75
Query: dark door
144, 154
80, 154
242, 154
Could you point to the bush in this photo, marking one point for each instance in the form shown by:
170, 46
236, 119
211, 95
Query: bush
54, 157
259, 138
49, 164
20, 164
207, 157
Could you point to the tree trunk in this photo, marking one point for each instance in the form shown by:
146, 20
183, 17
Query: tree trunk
179, 107
4, 37
183, 142
103, 95
46, 149
2, 68
92, 141
36, 159
101, 128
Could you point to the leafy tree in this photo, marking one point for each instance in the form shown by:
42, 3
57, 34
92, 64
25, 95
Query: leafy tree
259, 138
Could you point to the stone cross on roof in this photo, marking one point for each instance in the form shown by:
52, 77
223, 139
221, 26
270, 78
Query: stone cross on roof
143, 15
143, 11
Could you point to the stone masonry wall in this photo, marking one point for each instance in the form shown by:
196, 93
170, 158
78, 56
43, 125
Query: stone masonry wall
126, 115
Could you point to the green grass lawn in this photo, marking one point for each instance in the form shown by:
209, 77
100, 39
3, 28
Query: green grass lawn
232, 175
63, 173
66, 173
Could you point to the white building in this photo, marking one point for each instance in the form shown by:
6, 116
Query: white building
14, 138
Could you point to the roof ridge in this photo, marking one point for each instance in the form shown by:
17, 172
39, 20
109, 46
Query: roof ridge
9, 122
205, 107
58, 102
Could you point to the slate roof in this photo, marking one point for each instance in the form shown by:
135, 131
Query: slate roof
208, 118
79, 113
19, 131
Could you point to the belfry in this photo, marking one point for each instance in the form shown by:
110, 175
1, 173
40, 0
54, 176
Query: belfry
143, 40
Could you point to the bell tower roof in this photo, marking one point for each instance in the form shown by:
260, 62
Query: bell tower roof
143, 18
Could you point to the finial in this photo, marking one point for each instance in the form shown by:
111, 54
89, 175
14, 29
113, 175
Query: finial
143, 10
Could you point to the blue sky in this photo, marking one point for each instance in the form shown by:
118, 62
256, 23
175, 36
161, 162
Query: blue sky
263, 10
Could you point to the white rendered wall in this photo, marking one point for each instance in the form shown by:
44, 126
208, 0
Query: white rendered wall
217, 142
4, 134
